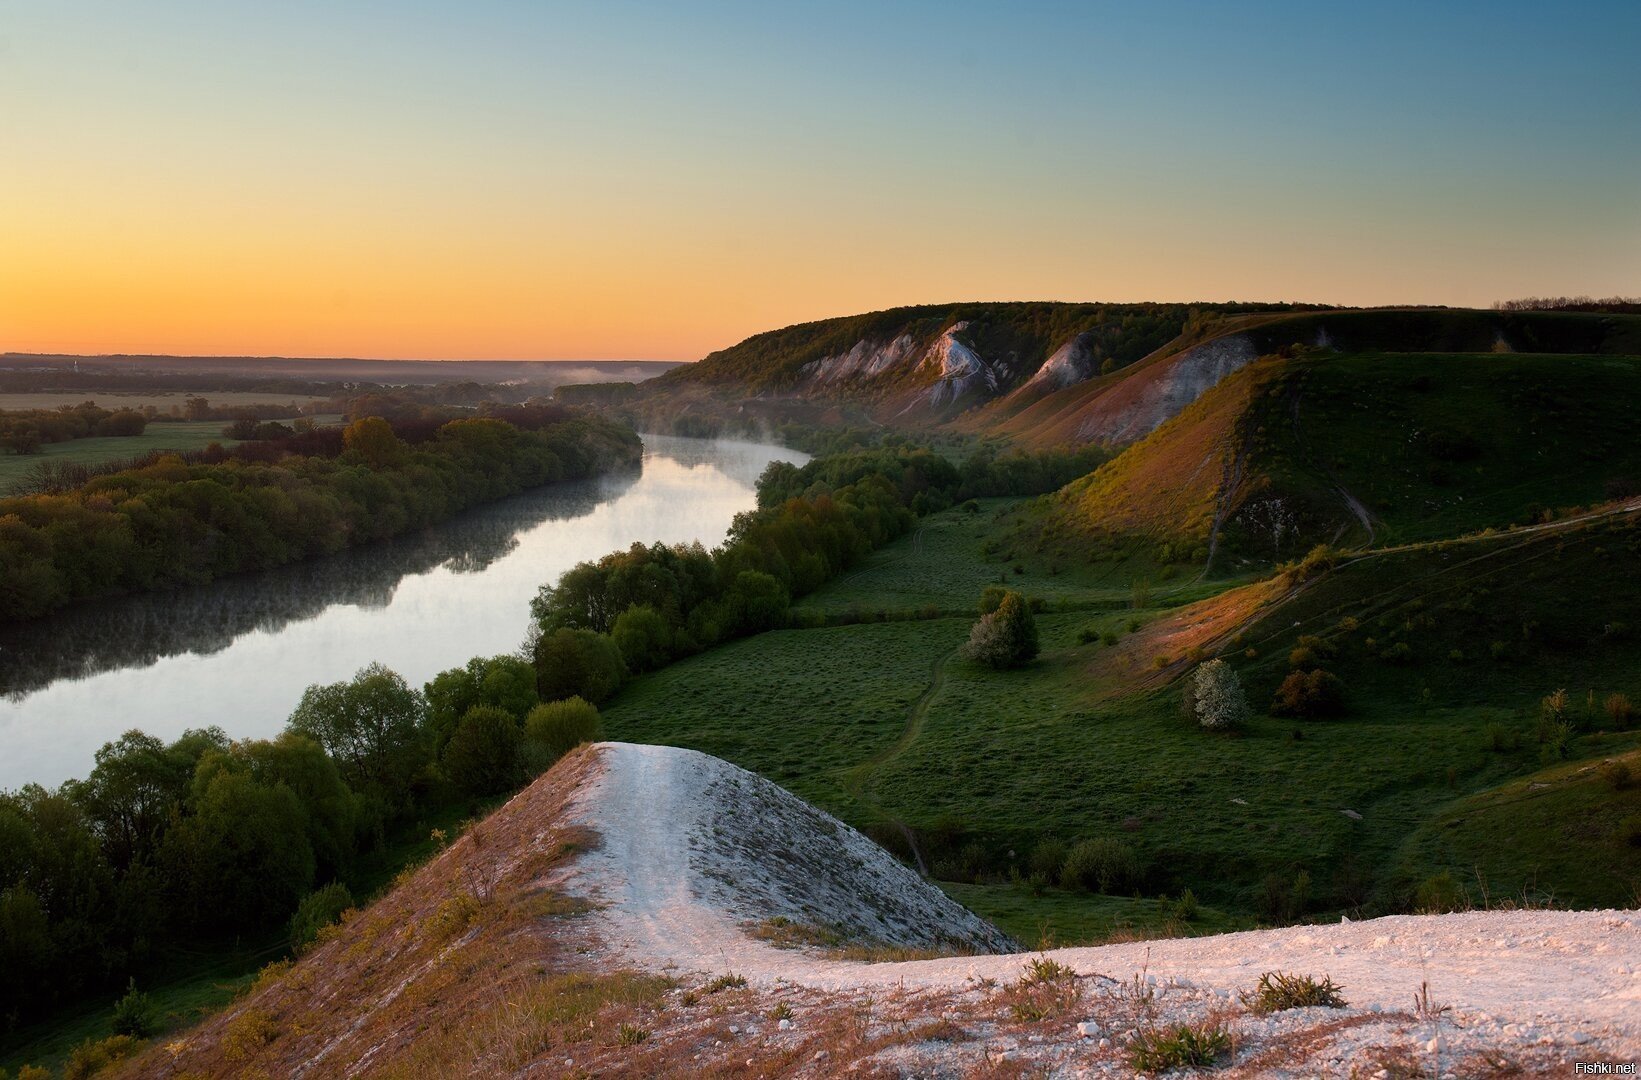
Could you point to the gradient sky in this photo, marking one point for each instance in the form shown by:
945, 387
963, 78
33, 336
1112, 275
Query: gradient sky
624, 180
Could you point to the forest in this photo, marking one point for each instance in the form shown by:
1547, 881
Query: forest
188, 518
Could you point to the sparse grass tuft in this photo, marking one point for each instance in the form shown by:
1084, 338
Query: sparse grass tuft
1178, 1046
1278, 991
725, 982
1047, 990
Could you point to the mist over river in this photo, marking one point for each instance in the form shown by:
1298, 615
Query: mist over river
238, 652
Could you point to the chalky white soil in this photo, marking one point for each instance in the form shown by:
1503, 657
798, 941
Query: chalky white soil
696, 852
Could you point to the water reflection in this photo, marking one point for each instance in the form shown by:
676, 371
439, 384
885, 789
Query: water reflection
206, 619
240, 651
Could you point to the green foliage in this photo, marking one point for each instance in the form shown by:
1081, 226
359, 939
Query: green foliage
1277, 991
146, 527
1100, 865
483, 757
135, 1014
1438, 894
1006, 636
319, 909
554, 728
505, 682
577, 663
373, 727
644, 637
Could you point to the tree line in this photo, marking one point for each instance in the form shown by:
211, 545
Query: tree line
186, 519
24, 431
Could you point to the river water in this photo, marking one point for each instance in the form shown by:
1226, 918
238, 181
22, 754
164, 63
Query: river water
239, 652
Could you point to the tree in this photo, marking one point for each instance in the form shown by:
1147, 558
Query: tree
1217, 696
372, 727
482, 757
507, 682
373, 440
577, 663
1005, 637
241, 856
644, 638
555, 728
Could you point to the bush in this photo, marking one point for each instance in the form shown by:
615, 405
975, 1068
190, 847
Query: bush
1617, 774
1619, 711
91, 1058
1277, 992
482, 757
577, 663
1216, 697
1047, 859
1309, 694
1100, 865
319, 909
644, 638
1439, 894
555, 728
1006, 637
135, 1014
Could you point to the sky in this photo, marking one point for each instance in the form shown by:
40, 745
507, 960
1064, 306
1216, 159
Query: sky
616, 180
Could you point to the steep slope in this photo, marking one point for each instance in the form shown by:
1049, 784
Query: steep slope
925, 364
476, 965
1383, 448
1129, 404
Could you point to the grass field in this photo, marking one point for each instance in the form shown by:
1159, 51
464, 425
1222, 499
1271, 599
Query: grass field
883, 724
163, 435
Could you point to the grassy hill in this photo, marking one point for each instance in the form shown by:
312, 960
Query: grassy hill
1353, 449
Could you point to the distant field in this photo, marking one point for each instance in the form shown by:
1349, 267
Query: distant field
50, 399
187, 435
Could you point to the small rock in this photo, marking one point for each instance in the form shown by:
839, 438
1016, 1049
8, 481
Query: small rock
1353, 815
1433, 1045
1579, 1038
1105, 1044
786, 1025
822, 1055
1088, 1027
735, 1029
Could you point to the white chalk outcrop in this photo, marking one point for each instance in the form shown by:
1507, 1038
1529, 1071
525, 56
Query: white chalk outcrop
695, 852
1160, 396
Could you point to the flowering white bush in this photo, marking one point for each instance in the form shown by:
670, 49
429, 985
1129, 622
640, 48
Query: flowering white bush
1219, 701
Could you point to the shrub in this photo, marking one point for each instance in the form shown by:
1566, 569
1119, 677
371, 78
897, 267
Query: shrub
1047, 858
483, 756
1100, 865
1619, 711
644, 638
135, 1014
1617, 774
90, 1058
1186, 907
1316, 562
1629, 829
1277, 991
319, 909
577, 663
555, 728
1045, 990
1309, 694
1178, 1046
1439, 894
1216, 697
1006, 637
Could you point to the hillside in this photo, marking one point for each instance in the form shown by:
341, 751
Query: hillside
1319, 447
550, 940
921, 365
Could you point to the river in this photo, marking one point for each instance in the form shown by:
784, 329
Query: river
239, 652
